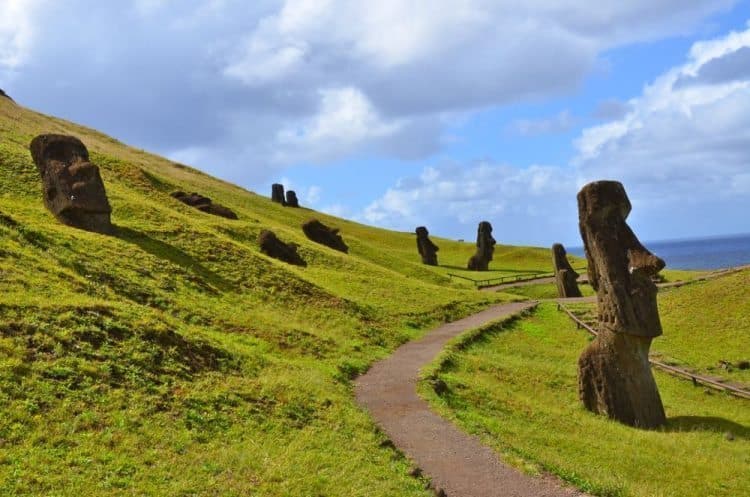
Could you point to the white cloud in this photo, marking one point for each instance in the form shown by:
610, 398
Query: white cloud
458, 196
16, 31
345, 120
683, 140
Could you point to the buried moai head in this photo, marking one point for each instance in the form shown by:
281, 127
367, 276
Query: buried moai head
277, 193
73, 188
320, 233
426, 248
565, 276
620, 268
614, 375
291, 199
272, 246
204, 204
485, 247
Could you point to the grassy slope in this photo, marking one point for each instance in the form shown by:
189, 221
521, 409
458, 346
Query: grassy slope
516, 388
175, 359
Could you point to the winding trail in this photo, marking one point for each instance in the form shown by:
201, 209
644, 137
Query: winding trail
458, 464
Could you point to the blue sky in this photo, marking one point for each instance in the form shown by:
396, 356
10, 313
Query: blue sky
398, 114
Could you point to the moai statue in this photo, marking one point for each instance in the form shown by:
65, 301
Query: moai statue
291, 199
273, 247
277, 193
426, 248
565, 277
205, 204
320, 233
73, 188
3, 94
614, 375
485, 247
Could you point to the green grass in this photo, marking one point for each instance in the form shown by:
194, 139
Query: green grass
173, 358
515, 387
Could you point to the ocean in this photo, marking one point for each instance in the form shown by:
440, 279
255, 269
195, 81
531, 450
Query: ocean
701, 253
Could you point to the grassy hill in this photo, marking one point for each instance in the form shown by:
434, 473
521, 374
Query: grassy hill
516, 387
173, 358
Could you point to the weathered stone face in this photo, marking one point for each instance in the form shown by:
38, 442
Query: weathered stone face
565, 276
291, 199
426, 248
273, 247
73, 188
277, 193
485, 247
204, 204
320, 233
614, 373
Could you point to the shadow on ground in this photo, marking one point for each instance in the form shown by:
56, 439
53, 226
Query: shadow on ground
172, 254
707, 423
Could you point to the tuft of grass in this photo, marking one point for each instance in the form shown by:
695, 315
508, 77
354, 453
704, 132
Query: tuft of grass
516, 388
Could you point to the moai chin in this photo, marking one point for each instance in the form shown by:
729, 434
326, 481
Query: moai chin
73, 188
426, 248
291, 199
565, 276
614, 375
485, 247
277, 193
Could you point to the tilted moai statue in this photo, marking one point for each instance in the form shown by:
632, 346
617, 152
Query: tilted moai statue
204, 204
277, 193
291, 199
426, 248
73, 188
565, 277
614, 375
485, 247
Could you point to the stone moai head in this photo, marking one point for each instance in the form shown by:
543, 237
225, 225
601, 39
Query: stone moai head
560, 259
277, 193
291, 199
485, 242
73, 188
427, 249
619, 266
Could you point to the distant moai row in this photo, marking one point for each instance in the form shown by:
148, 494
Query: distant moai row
73, 189
566, 278
277, 195
614, 374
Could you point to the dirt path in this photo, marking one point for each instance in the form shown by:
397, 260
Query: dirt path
536, 281
458, 463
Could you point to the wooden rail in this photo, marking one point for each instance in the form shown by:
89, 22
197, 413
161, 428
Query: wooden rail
673, 370
514, 278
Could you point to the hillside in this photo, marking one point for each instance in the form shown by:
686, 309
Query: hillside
173, 358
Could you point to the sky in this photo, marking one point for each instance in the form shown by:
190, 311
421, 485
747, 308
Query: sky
441, 113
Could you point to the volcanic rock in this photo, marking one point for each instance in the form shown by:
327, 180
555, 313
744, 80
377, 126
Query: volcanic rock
426, 248
204, 204
614, 375
320, 233
273, 247
485, 247
73, 187
565, 277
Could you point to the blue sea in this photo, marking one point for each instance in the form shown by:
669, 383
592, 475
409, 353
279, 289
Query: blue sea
702, 253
